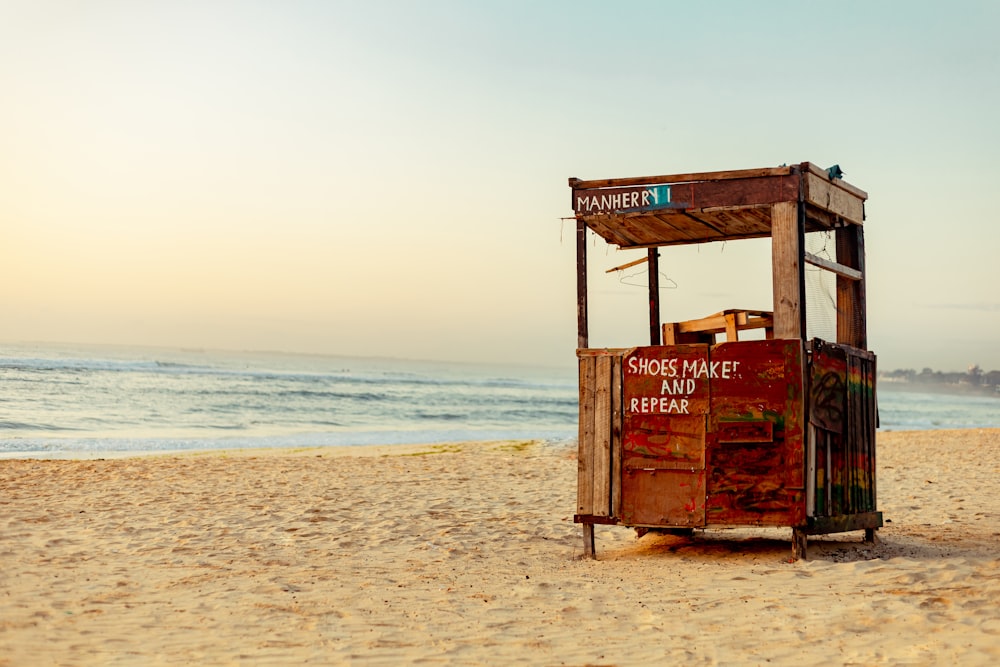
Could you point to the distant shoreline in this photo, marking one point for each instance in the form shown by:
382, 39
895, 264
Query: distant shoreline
949, 389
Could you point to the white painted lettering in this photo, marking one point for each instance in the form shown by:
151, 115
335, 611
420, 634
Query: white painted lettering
678, 386
659, 405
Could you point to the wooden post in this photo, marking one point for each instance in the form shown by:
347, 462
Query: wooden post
852, 328
786, 269
582, 330
588, 541
731, 330
582, 341
800, 544
654, 296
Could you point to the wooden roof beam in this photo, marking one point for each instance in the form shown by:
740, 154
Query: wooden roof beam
576, 183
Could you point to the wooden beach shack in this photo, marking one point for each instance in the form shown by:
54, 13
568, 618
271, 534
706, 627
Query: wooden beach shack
704, 428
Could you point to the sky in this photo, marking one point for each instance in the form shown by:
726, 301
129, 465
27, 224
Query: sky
389, 178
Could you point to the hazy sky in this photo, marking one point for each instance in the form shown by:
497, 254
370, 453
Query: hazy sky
390, 178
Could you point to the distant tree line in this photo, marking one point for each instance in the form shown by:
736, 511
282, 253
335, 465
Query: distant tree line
974, 378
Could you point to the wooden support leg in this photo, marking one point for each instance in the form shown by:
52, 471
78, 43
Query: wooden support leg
588, 541
870, 536
800, 543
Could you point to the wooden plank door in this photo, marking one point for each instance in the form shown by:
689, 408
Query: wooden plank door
756, 434
666, 401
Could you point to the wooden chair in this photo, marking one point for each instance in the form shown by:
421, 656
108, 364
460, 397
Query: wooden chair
729, 322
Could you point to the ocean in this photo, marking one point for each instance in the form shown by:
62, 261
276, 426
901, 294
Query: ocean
75, 400
62, 400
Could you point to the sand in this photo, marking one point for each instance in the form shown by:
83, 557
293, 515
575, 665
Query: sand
467, 554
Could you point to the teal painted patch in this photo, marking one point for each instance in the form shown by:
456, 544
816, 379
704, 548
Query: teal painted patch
659, 195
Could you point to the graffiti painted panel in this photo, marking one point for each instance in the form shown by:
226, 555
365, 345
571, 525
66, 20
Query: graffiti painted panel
828, 387
842, 408
665, 442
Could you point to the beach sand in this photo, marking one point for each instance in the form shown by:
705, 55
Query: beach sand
467, 554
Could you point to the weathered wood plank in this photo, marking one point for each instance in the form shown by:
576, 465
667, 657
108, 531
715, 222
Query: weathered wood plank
585, 457
602, 437
671, 333
811, 471
839, 269
872, 427
653, 257
628, 265
616, 435
618, 230
827, 195
852, 327
578, 184
741, 222
855, 428
731, 327
688, 196
800, 545
588, 541
582, 327
663, 497
786, 261
603, 352
662, 228
719, 322
843, 523
822, 473
840, 183
653, 228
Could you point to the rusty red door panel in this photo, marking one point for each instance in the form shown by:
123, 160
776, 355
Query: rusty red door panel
657, 497
713, 435
666, 395
754, 443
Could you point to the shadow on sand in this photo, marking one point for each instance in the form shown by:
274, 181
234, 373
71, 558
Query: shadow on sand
772, 545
